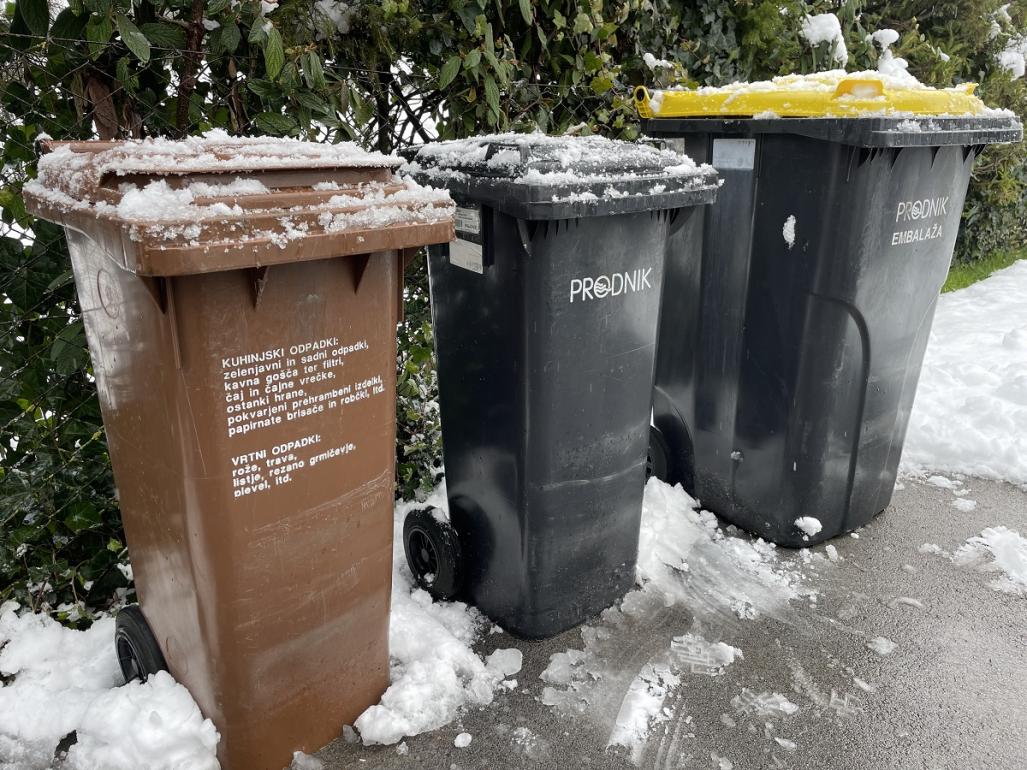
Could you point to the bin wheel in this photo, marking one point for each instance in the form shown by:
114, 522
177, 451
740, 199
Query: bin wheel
138, 652
433, 552
657, 461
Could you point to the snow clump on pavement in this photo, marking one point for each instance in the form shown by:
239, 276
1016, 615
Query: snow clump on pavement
970, 412
301, 761
882, 645
997, 549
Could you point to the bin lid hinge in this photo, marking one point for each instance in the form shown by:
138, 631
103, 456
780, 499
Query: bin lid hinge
359, 264
259, 277
525, 232
158, 288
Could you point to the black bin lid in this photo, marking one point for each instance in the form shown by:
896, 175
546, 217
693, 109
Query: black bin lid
533, 176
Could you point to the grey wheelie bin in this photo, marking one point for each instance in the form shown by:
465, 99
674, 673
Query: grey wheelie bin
791, 345
545, 311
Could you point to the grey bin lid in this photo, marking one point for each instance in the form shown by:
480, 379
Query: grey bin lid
871, 131
533, 176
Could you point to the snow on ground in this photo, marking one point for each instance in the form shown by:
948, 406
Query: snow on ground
435, 672
686, 561
60, 680
970, 412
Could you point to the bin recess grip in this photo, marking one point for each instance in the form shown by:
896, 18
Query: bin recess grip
523, 149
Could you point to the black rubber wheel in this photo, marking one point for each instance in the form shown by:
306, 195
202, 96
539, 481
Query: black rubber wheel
433, 552
137, 648
657, 461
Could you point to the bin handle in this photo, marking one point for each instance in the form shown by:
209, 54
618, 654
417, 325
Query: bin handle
494, 147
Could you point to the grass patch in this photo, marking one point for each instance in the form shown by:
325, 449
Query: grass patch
962, 275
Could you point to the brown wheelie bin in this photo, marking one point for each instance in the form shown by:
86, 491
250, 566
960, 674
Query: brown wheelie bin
240, 299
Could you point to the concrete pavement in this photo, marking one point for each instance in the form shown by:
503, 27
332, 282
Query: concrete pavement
953, 694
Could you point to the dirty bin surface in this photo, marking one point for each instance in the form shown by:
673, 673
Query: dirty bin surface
789, 352
240, 299
545, 313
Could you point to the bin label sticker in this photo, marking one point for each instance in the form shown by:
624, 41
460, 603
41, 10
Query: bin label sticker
467, 255
468, 220
912, 216
280, 386
734, 153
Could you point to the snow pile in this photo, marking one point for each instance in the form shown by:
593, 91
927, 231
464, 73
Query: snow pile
825, 28
733, 576
970, 412
997, 549
155, 724
60, 680
435, 673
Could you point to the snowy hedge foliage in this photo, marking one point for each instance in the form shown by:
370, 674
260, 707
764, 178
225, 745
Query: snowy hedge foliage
387, 74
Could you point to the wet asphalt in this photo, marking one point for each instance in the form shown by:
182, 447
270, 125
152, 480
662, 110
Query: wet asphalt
953, 694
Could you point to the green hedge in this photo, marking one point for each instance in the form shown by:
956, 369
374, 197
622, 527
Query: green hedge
377, 73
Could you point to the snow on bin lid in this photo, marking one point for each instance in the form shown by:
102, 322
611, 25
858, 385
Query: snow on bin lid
823, 94
539, 176
215, 202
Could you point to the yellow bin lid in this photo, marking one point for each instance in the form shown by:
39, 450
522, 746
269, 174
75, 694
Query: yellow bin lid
819, 95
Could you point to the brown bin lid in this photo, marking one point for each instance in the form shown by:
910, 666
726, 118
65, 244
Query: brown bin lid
215, 202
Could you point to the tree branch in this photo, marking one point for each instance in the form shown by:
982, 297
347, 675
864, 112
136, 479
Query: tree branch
190, 63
